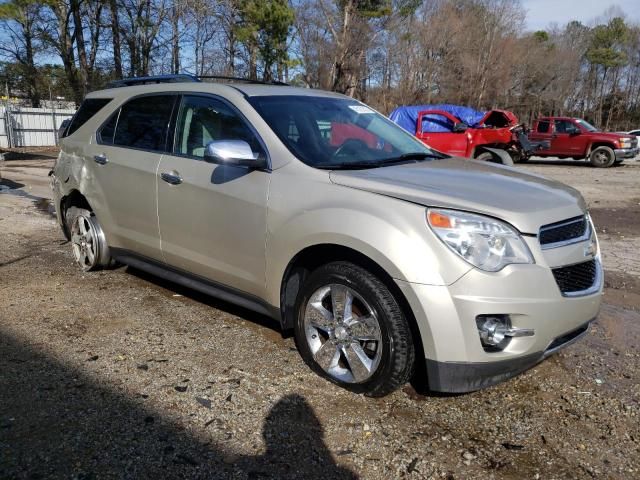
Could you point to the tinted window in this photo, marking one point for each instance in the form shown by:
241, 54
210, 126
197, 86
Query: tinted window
88, 109
203, 120
564, 126
143, 122
543, 127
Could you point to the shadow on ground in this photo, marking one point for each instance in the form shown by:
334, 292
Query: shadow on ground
17, 155
567, 163
56, 422
230, 308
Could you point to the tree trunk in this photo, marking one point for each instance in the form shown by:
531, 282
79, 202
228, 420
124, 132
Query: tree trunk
115, 36
175, 51
82, 53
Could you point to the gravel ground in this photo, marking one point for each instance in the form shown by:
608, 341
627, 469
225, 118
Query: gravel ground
116, 374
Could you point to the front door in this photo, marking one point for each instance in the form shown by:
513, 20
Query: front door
566, 138
213, 217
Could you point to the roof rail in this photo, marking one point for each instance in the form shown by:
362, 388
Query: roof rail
128, 82
184, 77
241, 79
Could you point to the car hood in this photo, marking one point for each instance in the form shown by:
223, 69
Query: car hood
611, 135
525, 200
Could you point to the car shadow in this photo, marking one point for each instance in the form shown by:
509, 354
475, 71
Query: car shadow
58, 421
10, 184
230, 308
566, 163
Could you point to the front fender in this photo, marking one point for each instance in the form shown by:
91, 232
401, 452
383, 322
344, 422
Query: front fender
392, 233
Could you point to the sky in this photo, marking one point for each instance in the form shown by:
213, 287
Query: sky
542, 13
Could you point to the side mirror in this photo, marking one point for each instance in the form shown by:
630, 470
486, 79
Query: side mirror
460, 127
231, 152
574, 131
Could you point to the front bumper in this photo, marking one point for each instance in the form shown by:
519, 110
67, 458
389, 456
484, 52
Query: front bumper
529, 294
622, 153
460, 377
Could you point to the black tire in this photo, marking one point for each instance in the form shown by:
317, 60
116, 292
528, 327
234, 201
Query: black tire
486, 156
397, 354
90, 252
602, 157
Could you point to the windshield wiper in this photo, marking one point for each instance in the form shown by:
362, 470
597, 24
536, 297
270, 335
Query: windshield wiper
410, 156
405, 157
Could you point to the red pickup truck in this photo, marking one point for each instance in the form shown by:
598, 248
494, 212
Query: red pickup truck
577, 139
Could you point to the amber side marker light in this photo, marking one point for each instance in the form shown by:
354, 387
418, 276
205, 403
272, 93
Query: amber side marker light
438, 220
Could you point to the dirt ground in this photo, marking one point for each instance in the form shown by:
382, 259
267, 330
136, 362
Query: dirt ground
116, 374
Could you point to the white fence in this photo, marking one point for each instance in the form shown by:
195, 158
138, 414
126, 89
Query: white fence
30, 127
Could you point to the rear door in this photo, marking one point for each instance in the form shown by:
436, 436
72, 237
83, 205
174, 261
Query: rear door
125, 159
213, 217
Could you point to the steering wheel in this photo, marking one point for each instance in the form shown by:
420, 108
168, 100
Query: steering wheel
350, 146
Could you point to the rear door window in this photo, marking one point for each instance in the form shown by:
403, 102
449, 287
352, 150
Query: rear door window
543, 126
88, 109
140, 123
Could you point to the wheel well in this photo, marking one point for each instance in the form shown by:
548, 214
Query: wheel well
315, 256
483, 148
74, 199
599, 144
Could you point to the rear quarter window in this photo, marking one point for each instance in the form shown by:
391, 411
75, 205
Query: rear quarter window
88, 109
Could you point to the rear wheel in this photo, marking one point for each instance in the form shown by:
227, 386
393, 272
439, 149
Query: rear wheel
602, 157
88, 242
350, 330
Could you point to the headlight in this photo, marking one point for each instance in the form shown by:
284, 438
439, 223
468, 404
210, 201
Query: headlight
625, 142
482, 241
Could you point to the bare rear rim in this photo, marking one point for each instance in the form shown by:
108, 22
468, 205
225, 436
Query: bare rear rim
343, 333
87, 241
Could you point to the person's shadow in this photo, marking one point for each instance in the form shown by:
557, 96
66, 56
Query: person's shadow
59, 422
295, 445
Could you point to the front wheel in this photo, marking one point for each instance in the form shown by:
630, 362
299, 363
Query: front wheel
602, 157
351, 330
487, 156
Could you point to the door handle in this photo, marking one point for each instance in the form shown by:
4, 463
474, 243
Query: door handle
172, 177
101, 159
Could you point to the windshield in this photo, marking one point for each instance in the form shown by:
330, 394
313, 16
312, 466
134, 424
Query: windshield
327, 132
586, 125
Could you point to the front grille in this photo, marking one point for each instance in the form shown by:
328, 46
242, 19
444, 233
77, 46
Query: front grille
564, 231
634, 142
576, 278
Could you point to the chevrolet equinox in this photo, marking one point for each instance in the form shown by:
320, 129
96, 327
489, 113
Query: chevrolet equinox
383, 256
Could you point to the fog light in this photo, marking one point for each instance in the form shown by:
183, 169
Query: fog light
492, 329
496, 332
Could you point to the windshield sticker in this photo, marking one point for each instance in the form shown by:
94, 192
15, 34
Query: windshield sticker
360, 109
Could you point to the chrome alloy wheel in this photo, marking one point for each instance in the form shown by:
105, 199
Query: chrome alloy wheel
343, 333
85, 242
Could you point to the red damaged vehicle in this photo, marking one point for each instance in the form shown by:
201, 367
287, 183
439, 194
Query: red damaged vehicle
493, 136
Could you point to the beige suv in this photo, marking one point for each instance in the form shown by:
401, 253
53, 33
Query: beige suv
385, 258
